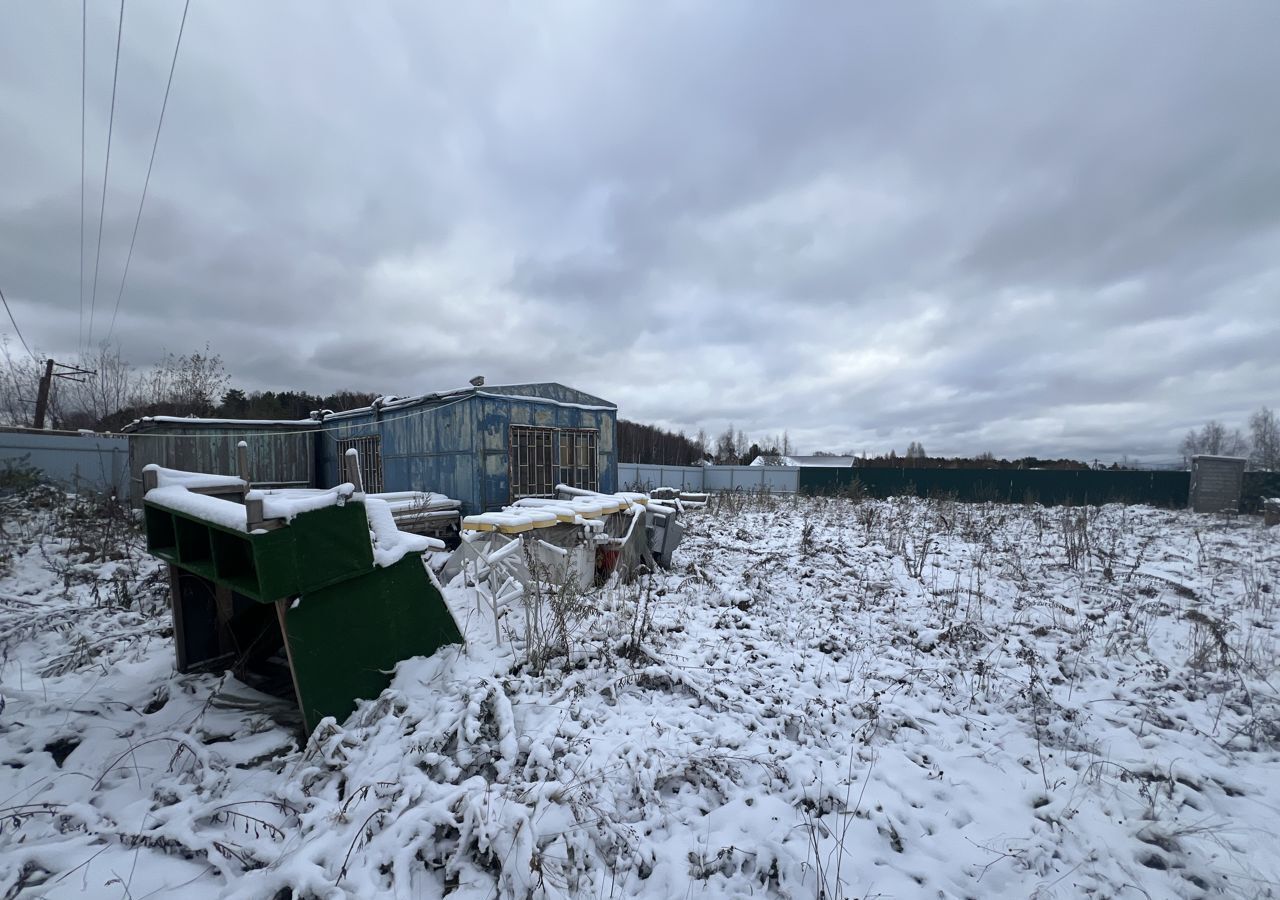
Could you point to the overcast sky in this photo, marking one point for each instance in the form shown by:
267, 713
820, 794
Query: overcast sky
1018, 227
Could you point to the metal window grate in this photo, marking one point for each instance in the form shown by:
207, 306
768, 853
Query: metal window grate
531, 462
370, 449
578, 459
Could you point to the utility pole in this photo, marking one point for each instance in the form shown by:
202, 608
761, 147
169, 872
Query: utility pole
42, 397
46, 384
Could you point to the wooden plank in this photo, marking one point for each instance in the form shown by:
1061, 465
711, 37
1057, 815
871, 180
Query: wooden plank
223, 610
282, 613
175, 607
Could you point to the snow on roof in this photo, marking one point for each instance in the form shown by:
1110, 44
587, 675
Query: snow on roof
499, 392
383, 404
198, 422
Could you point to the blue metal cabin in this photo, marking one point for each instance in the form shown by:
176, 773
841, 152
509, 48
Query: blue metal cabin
485, 446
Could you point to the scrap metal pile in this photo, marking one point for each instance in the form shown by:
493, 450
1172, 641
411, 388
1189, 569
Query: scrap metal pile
316, 595
578, 537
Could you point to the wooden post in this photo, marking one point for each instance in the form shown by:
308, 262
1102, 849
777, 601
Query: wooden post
224, 606
253, 513
179, 629
242, 460
42, 395
282, 615
352, 462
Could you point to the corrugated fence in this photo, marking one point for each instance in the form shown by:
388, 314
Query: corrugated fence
78, 461
279, 455
778, 479
1047, 486
1258, 486
101, 462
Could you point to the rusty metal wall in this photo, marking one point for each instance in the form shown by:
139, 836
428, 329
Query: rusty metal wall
546, 391
458, 446
429, 447
497, 414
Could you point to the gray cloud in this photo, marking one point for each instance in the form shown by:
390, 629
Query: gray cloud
1024, 228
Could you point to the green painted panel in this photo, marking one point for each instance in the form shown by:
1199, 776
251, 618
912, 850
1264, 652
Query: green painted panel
1258, 486
1046, 486
324, 546
316, 549
345, 639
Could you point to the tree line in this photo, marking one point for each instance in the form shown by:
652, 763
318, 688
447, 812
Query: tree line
115, 392
651, 445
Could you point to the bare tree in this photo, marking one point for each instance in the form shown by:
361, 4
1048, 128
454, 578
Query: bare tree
1264, 432
198, 379
915, 450
19, 381
112, 386
190, 384
1213, 440
726, 453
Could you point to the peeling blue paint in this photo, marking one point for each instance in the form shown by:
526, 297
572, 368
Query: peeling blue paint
458, 444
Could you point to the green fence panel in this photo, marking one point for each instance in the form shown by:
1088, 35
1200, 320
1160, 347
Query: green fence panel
1047, 486
1258, 486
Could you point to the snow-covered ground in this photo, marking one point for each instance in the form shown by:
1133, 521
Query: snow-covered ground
824, 698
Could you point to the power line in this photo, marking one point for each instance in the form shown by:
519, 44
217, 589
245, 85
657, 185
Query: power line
111, 121
156, 143
17, 329
84, 43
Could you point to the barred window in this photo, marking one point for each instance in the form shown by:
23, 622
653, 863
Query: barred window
531, 462
578, 460
370, 449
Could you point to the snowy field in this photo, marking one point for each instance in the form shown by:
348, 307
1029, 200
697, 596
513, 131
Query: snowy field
824, 698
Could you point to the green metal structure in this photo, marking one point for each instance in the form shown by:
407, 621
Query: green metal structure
300, 606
